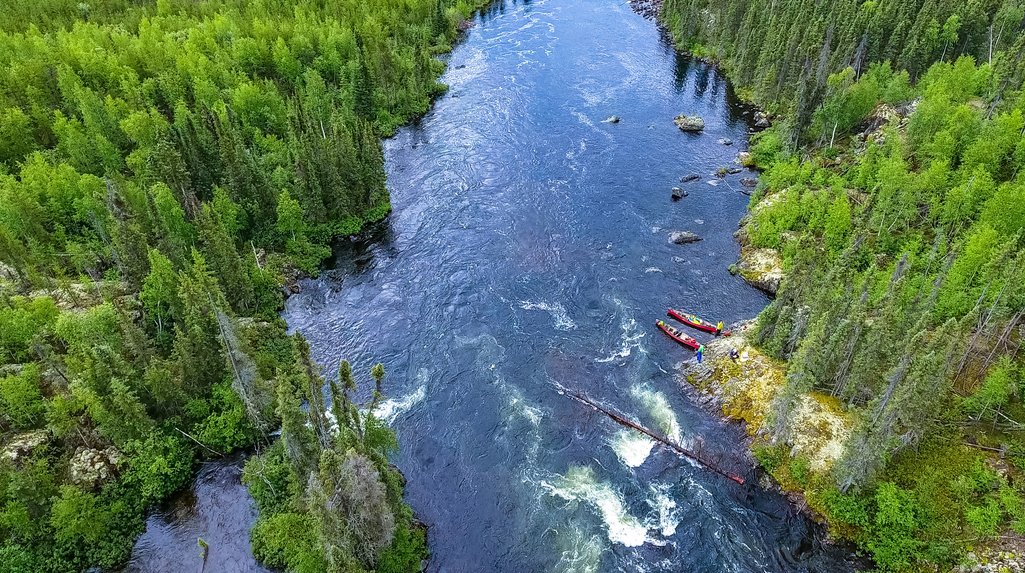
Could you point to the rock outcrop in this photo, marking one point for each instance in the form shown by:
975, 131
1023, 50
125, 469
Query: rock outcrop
745, 388
21, 446
689, 178
678, 193
689, 123
683, 237
91, 468
762, 120
760, 268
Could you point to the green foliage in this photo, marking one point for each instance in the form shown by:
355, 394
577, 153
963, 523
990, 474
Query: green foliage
290, 542
159, 466
892, 190
21, 402
998, 387
408, 549
23, 320
801, 69
893, 545
328, 498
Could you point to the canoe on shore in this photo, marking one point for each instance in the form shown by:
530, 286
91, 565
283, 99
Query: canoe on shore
678, 336
696, 322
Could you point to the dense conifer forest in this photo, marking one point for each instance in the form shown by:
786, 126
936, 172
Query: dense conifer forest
165, 167
892, 188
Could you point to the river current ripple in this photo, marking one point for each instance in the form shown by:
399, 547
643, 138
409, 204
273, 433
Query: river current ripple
529, 247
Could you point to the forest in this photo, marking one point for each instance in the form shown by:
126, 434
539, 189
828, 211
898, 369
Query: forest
167, 169
892, 188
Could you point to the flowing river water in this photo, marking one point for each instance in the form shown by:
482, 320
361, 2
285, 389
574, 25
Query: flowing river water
528, 248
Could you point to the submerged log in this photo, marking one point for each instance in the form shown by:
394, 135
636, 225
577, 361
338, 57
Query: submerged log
622, 420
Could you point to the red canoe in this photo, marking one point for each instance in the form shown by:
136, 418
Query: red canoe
695, 322
679, 336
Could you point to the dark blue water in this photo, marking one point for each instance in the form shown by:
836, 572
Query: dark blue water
529, 248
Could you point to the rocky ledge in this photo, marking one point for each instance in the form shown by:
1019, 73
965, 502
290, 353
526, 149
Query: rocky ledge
760, 268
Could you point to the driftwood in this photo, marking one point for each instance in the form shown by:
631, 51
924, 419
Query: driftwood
622, 420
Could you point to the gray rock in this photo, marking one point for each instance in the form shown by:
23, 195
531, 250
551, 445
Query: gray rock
21, 446
749, 182
689, 123
689, 178
683, 237
725, 141
678, 193
612, 119
91, 468
744, 158
734, 170
762, 120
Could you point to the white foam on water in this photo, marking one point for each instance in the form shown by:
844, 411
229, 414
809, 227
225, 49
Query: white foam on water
667, 514
658, 406
630, 338
392, 408
631, 447
580, 485
652, 270
578, 552
558, 312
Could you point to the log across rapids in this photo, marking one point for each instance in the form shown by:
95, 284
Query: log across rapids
664, 440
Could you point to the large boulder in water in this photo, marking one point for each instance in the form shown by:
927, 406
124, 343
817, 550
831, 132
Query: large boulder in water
689, 123
683, 237
678, 193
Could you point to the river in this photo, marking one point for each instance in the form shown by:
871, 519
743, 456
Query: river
528, 248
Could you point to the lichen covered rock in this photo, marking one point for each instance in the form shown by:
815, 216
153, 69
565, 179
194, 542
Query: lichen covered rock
90, 468
689, 123
760, 268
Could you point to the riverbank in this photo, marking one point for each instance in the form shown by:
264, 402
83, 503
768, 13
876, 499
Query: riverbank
945, 501
744, 389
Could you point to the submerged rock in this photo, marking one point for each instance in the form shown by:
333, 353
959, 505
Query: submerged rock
683, 237
612, 119
689, 123
734, 170
725, 141
749, 182
689, 178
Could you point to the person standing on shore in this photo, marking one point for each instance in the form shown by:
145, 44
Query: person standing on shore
701, 351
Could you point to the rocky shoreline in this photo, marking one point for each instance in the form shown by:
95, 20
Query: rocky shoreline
650, 9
